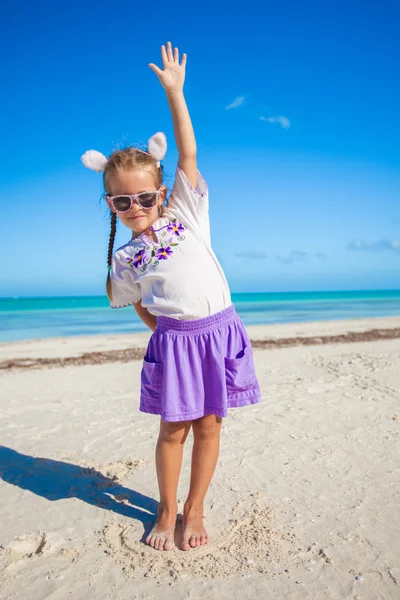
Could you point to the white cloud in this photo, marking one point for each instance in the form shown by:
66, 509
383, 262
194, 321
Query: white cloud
294, 256
283, 121
300, 256
379, 246
236, 103
252, 255
253, 109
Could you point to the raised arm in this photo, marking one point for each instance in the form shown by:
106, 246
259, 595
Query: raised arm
172, 79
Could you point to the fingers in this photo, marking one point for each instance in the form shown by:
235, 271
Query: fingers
168, 56
169, 51
156, 70
164, 56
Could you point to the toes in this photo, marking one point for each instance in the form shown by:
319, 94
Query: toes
186, 537
160, 543
164, 544
192, 540
185, 542
169, 544
185, 545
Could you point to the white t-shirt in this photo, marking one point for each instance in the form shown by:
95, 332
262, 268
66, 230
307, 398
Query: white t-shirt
178, 276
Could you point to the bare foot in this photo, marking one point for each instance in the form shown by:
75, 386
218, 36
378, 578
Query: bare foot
194, 534
161, 537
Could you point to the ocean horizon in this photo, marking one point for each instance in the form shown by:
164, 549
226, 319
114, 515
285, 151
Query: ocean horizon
23, 318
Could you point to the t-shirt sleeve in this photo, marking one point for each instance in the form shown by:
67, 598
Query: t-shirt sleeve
190, 205
124, 289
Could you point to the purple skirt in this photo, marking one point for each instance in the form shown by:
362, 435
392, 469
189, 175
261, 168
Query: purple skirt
198, 367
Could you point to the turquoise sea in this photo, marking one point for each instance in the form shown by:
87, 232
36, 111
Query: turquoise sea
28, 318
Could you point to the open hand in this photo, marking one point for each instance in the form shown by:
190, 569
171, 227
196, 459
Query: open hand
173, 75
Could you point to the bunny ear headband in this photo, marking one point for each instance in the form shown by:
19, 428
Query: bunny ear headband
157, 148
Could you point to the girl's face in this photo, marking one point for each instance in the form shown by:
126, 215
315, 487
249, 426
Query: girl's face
137, 219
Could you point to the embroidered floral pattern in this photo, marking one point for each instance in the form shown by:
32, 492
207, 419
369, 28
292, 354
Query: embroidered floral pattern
176, 228
139, 258
164, 253
152, 253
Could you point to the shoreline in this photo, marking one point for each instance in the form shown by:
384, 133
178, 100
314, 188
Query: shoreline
93, 350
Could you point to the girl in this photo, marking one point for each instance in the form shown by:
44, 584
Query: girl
199, 361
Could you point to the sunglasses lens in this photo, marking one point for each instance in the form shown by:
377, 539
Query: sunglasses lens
147, 200
122, 203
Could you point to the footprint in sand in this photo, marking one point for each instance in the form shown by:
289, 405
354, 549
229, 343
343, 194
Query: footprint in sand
248, 542
36, 543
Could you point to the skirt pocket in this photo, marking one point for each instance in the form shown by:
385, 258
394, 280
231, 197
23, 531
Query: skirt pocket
240, 373
151, 381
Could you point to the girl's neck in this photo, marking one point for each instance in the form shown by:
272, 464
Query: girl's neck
149, 233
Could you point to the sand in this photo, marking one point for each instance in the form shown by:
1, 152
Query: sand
304, 502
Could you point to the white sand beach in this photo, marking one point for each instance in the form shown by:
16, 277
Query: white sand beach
304, 503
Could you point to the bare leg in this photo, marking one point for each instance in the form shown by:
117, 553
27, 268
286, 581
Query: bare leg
169, 452
206, 433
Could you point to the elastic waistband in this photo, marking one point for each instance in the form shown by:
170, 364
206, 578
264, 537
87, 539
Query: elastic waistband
197, 325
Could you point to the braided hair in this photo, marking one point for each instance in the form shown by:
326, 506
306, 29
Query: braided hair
110, 253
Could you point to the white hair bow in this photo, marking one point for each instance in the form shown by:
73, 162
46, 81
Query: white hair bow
157, 148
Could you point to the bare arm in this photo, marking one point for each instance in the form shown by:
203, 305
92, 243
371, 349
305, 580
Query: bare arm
172, 79
147, 318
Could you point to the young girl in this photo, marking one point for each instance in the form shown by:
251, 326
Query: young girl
199, 360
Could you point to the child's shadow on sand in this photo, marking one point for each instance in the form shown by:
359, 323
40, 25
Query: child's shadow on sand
54, 479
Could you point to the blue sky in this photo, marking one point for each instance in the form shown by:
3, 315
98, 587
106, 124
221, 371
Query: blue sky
296, 113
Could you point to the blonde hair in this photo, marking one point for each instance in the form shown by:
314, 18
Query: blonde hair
125, 160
